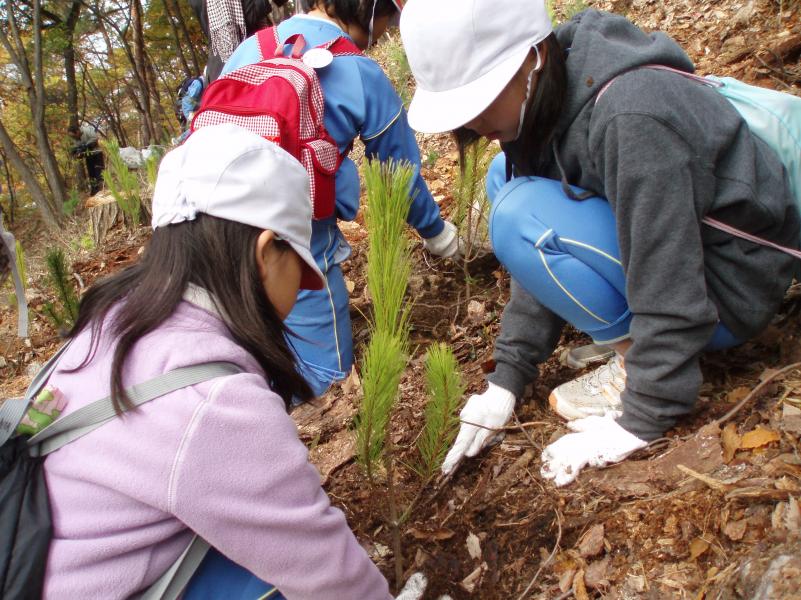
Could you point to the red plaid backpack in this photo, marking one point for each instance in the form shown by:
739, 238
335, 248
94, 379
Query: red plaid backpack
280, 99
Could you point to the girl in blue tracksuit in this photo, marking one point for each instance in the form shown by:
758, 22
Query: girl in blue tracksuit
359, 102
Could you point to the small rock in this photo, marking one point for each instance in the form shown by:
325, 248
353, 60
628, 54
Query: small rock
3, 362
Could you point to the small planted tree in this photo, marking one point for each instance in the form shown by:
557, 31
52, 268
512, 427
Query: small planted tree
471, 205
385, 358
388, 269
445, 389
123, 184
64, 315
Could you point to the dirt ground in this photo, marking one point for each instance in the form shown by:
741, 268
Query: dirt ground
710, 511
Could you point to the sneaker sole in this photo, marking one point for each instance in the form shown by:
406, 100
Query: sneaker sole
566, 410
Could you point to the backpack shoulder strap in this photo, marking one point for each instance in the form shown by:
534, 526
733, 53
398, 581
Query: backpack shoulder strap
170, 585
342, 46
268, 41
13, 409
90, 417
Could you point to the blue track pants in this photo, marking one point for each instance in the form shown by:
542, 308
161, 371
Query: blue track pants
565, 253
218, 578
320, 320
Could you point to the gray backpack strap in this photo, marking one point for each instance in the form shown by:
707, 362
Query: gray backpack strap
13, 409
170, 585
90, 417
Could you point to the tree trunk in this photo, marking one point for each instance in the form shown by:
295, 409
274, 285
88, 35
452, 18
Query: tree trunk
52, 172
176, 39
196, 61
73, 124
51, 213
139, 59
12, 199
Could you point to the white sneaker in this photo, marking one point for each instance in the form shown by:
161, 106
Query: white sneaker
594, 394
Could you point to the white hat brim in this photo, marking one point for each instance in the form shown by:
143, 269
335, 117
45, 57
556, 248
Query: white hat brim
436, 112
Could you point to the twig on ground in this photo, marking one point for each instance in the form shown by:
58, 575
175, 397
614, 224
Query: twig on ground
547, 560
755, 392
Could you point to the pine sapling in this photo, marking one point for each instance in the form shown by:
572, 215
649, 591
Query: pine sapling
389, 254
384, 362
123, 184
445, 389
388, 266
471, 204
388, 269
60, 280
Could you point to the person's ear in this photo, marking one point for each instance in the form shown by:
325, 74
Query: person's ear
263, 245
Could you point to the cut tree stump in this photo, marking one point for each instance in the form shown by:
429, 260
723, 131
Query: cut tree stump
104, 212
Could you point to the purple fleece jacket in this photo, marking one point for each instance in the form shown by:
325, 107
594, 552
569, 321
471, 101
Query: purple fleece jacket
221, 458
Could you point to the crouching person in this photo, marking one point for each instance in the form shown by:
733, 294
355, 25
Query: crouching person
220, 459
630, 259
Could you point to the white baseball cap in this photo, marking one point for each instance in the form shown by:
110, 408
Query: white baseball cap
464, 52
228, 172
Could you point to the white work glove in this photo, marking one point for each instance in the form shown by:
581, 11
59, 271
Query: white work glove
415, 588
598, 441
446, 243
491, 410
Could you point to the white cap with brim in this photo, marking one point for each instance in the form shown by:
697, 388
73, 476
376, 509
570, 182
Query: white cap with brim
228, 172
463, 53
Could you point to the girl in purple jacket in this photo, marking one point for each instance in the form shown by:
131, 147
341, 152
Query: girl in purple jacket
220, 459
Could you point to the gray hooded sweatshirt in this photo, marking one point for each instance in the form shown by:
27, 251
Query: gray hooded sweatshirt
665, 151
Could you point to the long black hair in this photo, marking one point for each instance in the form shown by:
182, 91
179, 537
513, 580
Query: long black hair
215, 254
355, 12
533, 147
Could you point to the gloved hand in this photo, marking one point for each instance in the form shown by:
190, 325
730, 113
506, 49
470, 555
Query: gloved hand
446, 243
491, 410
415, 588
598, 441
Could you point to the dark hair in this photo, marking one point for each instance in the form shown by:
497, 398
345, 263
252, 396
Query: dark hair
536, 136
356, 12
215, 254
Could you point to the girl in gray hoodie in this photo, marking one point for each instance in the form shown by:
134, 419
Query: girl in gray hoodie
623, 255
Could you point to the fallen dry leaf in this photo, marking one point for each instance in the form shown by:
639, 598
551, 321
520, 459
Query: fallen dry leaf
737, 394
441, 533
730, 441
592, 542
566, 580
473, 546
595, 575
758, 437
735, 530
469, 583
353, 382
579, 588
792, 516
697, 547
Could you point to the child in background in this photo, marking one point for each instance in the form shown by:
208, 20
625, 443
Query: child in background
359, 102
222, 459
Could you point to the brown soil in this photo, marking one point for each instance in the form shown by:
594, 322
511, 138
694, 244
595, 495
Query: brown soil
710, 512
